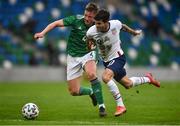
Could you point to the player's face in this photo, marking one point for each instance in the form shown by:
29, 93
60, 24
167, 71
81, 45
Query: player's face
102, 26
89, 17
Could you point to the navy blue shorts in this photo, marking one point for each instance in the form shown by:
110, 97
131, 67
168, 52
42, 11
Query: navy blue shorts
117, 66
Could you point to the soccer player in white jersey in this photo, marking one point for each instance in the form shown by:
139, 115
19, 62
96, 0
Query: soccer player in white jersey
105, 35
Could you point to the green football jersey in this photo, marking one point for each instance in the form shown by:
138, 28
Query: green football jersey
77, 46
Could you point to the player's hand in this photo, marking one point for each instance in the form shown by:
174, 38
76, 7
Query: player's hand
137, 32
38, 35
91, 45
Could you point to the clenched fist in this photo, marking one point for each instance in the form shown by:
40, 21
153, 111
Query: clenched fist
38, 35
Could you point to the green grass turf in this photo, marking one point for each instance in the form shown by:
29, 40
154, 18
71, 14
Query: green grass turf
145, 104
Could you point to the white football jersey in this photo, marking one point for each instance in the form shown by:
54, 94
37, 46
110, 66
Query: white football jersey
108, 43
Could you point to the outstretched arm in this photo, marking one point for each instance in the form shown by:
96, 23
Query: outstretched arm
58, 23
130, 30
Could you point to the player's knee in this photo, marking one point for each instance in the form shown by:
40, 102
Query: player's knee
106, 78
107, 75
91, 75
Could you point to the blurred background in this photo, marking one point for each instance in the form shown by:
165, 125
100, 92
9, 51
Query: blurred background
23, 58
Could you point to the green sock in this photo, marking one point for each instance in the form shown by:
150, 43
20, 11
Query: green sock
97, 90
85, 91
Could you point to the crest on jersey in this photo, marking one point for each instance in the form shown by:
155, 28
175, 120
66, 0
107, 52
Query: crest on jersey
114, 31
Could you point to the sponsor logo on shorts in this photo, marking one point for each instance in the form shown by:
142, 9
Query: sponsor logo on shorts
111, 63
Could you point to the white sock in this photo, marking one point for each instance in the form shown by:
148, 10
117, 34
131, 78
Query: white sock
139, 80
113, 88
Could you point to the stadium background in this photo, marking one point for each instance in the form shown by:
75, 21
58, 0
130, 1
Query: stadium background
34, 71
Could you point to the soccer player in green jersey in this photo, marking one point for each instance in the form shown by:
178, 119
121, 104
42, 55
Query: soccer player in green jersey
79, 57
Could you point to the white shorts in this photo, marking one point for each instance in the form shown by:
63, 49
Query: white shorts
75, 65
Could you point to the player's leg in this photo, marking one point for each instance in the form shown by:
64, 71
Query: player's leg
90, 69
115, 69
107, 76
89, 65
74, 86
126, 82
135, 81
75, 89
121, 77
74, 73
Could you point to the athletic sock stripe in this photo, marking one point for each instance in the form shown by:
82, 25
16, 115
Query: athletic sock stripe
118, 98
115, 96
141, 80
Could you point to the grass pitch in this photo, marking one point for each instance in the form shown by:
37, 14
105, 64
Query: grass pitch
145, 104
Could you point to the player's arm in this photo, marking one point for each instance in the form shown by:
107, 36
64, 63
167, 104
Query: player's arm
130, 30
58, 23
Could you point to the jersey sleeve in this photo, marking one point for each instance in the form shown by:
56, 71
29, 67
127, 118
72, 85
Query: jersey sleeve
118, 24
89, 33
68, 21
90, 42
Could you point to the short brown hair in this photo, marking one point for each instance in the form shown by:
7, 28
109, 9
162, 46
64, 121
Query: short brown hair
92, 7
102, 15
